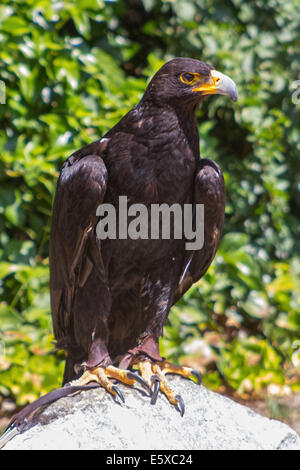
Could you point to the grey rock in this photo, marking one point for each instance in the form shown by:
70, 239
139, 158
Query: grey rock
92, 420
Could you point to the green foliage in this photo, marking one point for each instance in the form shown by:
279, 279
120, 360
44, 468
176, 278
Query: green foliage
72, 69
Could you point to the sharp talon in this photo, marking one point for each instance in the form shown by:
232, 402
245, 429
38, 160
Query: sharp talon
197, 375
11, 432
138, 378
119, 393
180, 405
131, 375
156, 380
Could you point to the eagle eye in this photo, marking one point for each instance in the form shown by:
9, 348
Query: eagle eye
188, 78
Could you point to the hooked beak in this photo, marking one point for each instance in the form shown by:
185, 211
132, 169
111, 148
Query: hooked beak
220, 84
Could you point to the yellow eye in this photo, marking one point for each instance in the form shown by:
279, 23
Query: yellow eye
188, 78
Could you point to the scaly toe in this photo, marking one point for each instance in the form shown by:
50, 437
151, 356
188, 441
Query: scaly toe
87, 377
103, 376
153, 376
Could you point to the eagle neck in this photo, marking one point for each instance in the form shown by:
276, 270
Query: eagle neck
179, 119
188, 123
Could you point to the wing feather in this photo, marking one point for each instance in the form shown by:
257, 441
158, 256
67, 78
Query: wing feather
210, 191
80, 189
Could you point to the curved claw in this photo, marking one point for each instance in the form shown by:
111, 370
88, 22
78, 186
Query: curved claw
180, 405
10, 432
118, 393
197, 375
135, 376
156, 380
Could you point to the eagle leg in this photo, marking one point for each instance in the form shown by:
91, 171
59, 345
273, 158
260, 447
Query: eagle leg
154, 372
153, 369
103, 376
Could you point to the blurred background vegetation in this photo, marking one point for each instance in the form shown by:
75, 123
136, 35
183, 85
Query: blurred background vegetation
72, 69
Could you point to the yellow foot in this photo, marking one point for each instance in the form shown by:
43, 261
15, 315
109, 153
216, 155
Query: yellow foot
154, 372
103, 376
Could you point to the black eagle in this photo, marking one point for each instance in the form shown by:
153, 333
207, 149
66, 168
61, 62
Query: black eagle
111, 298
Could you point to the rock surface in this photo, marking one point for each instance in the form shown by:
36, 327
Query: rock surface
92, 420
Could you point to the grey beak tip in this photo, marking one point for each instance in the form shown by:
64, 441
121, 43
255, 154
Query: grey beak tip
234, 96
226, 85
232, 91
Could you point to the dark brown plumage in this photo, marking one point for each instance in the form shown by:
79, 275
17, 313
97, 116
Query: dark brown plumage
110, 299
